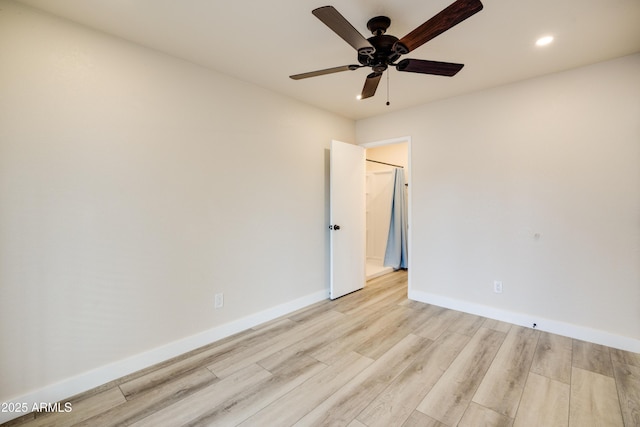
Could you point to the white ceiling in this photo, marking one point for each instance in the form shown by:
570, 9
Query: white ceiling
264, 42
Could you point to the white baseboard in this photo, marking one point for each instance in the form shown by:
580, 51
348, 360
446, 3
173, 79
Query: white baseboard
88, 380
524, 319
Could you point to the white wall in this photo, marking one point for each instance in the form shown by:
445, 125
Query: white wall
134, 186
536, 184
379, 199
396, 154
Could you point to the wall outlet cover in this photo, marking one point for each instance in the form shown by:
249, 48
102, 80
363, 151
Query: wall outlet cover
218, 301
497, 287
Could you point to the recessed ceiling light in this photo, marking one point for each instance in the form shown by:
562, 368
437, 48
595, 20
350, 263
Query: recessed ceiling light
543, 41
358, 97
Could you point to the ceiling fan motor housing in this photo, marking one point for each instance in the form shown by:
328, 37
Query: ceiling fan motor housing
383, 53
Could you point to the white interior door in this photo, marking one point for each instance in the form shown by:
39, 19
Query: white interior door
347, 216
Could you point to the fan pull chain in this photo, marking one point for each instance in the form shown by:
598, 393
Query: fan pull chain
388, 72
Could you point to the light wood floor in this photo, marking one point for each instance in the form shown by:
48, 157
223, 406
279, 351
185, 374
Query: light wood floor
374, 358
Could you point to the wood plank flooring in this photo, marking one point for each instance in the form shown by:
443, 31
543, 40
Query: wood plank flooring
373, 358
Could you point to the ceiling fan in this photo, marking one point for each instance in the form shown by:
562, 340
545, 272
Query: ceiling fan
383, 50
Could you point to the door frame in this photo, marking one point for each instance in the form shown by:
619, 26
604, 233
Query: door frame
391, 141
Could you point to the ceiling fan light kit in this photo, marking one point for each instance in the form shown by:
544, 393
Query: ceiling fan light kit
382, 50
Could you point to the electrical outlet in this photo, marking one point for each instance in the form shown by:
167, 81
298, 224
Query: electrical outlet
497, 286
218, 301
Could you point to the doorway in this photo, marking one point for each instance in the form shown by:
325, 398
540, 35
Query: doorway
383, 159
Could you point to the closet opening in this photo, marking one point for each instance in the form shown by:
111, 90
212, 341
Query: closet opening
387, 207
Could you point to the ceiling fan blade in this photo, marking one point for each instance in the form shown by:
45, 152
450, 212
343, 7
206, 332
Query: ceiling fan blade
429, 67
450, 16
325, 71
370, 85
334, 20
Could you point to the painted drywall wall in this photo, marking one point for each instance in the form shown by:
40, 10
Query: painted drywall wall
536, 184
397, 154
133, 187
